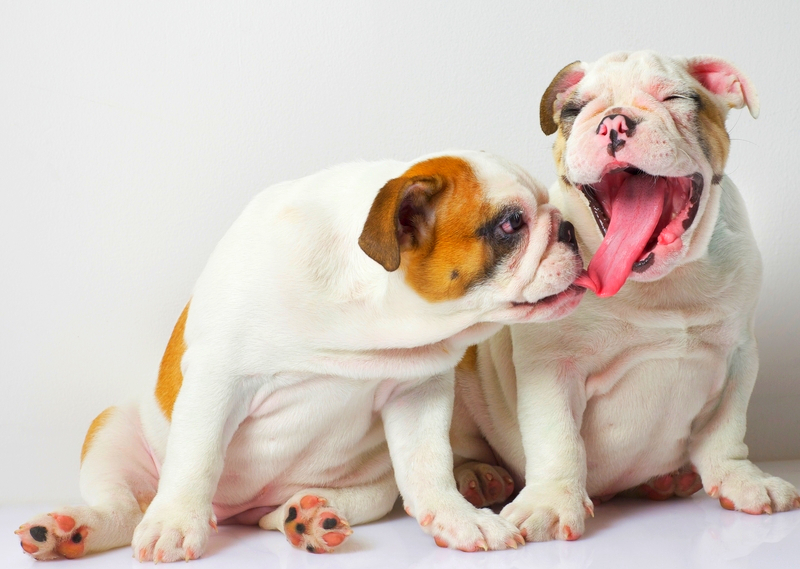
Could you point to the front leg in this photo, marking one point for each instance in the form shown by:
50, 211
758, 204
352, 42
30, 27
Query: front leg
718, 451
417, 422
207, 411
550, 404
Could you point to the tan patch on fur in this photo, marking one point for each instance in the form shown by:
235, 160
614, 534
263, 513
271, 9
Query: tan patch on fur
170, 377
144, 502
96, 425
453, 256
469, 363
713, 133
559, 148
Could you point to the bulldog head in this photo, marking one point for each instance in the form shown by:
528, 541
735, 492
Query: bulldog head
475, 229
641, 149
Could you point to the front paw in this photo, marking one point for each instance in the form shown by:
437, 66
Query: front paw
550, 511
173, 531
740, 485
460, 526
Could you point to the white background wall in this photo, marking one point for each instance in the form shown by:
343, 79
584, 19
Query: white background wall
132, 136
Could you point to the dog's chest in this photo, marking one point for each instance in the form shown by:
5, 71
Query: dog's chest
322, 431
654, 352
644, 389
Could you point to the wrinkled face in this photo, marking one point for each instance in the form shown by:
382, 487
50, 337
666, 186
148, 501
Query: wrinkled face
476, 230
642, 146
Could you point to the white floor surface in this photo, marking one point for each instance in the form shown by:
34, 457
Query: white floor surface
689, 533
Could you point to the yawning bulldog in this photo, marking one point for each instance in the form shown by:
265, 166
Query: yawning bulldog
646, 385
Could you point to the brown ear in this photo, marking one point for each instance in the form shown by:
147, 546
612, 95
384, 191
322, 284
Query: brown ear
564, 79
400, 216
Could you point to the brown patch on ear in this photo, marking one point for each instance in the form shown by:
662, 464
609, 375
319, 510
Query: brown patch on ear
712, 134
564, 79
430, 222
96, 425
170, 377
383, 237
452, 256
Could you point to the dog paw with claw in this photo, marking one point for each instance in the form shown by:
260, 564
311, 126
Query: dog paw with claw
681, 483
170, 532
466, 528
742, 486
313, 525
483, 484
552, 511
53, 536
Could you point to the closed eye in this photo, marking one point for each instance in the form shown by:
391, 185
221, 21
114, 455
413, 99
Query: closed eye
571, 110
682, 96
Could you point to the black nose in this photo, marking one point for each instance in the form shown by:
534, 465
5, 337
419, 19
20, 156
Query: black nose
566, 234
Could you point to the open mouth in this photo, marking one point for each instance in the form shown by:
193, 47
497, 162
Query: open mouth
636, 212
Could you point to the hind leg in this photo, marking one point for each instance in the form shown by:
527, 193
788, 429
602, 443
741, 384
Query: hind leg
483, 485
318, 520
478, 477
118, 479
681, 483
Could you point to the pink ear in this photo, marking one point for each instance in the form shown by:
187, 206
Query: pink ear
724, 80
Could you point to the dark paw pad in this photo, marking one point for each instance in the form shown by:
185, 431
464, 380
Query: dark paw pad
314, 526
39, 533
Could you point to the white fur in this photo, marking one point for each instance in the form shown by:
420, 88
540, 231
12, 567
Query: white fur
646, 382
307, 366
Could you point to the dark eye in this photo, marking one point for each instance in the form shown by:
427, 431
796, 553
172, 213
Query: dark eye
512, 223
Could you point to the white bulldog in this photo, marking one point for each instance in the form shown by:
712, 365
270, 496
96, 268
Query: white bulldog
321, 339
651, 384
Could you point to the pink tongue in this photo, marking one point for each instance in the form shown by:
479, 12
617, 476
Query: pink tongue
635, 212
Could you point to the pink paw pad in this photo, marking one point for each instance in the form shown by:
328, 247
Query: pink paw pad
314, 526
729, 505
479, 546
681, 483
484, 484
53, 536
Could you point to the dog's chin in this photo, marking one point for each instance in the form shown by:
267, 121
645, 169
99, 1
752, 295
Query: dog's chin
642, 239
552, 307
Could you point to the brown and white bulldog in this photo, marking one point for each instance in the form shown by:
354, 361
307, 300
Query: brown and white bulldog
313, 367
650, 385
